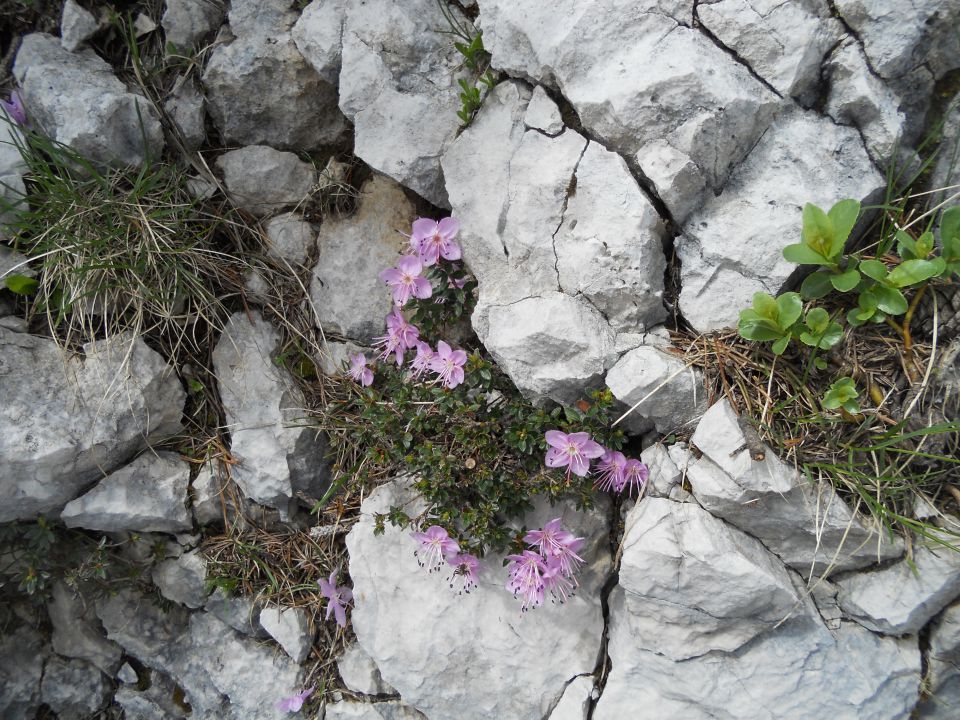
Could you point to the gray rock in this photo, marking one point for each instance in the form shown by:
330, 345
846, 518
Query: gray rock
127, 675
809, 527
148, 495
222, 673
398, 85
76, 100
801, 670
436, 671
290, 627
261, 17
946, 170
187, 22
674, 393
676, 558
22, 657
859, 98
392, 710
73, 689
12, 189
318, 34
665, 474
943, 668
261, 91
337, 356
902, 598
732, 247
186, 107
276, 457
349, 297
208, 504
360, 673
66, 420
13, 263
77, 632
183, 579
161, 700
784, 43
679, 182
543, 114
77, 25
240, 613
262, 180
575, 702
291, 237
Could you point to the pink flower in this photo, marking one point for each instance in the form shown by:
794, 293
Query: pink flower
436, 546
407, 280
293, 704
421, 363
557, 545
557, 582
14, 108
573, 451
612, 471
359, 370
636, 476
337, 596
431, 240
526, 578
448, 364
465, 570
400, 337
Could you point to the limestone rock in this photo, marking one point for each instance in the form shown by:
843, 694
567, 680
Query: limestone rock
183, 579
676, 393
575, 703
22, 657
290, 627
337, 356
65, 421
946, 170
732, 247
900, 600
392, 710
276, 459
360, 673
206, 493
435, 671
809, 527
318, 34
162, 700
268, 18
186, 107
12, 189
148, 495
127, 675
73, 689
76, 100
187, 22
291, 237
398, 85
665, 474
679, 182
77, 632
77, 25
943, 668
239, 612
349, 297
543, 114
261, 179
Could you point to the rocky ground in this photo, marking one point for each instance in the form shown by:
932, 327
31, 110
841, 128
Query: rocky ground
638, 165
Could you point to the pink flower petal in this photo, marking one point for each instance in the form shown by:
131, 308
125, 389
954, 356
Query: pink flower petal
410, 265
448, 227
459, 357
422, 288
579, 465
391, 276
451, 251
423, 227
557, 458
556, 438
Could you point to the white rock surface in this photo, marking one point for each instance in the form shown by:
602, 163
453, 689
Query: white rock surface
443, 652
74, 689
318, 34
291, 237
946, 169
290, 627
187, 108
349, 297
809, 528
678, 396
575, 702
66, 420
900, 599
943, 668
261, 179
398, 85
392, 710
77, 25
127, 675
240, 613
732, 247
360, 673
77, 632
336, 357
186, 22
22, 657
148, 495
183, 579
76, 100
162, 700
543, 114
676, 177
206, 491
277, 456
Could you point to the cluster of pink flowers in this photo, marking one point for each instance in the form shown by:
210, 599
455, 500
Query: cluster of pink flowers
615, 472
549, 565
337, 598
437, 549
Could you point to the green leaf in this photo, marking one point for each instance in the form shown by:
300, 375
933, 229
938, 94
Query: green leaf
790, 306
906, 246
911, 272
780, 345
818, 320
766, 306
816, 285
818, 231
840, 393
21, 284
754, 327
950, 232
803, 255
890, 300
832, 335
819, 363
857, 316
844, 282
874, 269
925, 244
844, 216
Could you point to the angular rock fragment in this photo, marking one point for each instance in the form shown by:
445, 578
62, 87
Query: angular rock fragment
543, 114
392, 710
22, 657
291, 237
186, 107
360, 673
239, 612
290, 627
318, 34
73, 689
261, 179
943, 668
575, 703
77, 632
183, 579
77, 25
148, 495
187, 22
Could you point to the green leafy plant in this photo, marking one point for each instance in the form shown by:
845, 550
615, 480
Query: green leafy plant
771, 319
824, 237
821, 331
842, 394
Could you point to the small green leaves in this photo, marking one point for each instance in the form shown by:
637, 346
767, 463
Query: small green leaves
824, 234
816, 285
844, 216
913, 272
21, 284
821, 331
845, 281
771, 319
818, 232
842, 394
874, 269
804, 255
